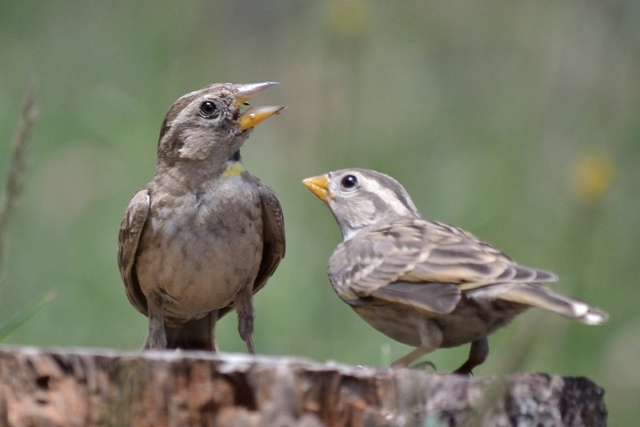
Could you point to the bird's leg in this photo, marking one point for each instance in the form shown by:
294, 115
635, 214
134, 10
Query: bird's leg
244, 308
425, 363
431, 338
405, 361
157, 338
214, 319
477, 355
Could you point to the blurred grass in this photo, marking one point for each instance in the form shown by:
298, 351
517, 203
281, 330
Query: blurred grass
517, 121
13, 187
14, 179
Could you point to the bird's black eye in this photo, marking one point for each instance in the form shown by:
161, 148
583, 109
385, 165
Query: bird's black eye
349, 181
208, 109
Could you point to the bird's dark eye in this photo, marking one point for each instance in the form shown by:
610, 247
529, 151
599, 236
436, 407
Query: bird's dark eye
349, 181
208, 109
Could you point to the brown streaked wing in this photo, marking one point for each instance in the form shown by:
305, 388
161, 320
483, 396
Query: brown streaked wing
456, 256
421, 251
133, 222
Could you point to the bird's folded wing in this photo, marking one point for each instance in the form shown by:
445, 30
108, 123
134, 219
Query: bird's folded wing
512, 273
440, 298
363, 264
453, 255
421, 251
130, 231
273, 234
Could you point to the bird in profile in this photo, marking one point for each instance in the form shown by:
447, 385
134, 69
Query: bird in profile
424, 283
201, 238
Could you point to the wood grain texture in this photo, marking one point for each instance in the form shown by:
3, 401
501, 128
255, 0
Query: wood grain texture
175, 388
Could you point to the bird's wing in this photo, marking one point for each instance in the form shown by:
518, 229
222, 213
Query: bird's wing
374, 264
421, 263
481, 271
273, 237
452, 255
441, 298
130, 231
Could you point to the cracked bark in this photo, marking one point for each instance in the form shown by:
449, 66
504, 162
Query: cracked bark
101, 388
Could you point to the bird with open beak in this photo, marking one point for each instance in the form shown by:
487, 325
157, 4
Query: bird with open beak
205, 235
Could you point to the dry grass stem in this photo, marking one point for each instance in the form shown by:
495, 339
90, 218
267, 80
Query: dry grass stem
17, 166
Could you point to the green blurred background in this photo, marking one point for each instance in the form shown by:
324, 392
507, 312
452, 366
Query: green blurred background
518, 121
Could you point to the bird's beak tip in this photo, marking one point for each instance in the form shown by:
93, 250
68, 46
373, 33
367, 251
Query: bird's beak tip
244, 92
253, 115
256, 115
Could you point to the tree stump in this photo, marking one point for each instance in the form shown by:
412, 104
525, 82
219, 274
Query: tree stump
175, 388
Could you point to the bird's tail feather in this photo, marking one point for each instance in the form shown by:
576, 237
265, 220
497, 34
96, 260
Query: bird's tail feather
536, 295
195, 334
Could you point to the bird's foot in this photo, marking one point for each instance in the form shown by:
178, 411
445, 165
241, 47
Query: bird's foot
424, 364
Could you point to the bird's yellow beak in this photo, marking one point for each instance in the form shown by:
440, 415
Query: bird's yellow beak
253, 115
319, 186
256, 115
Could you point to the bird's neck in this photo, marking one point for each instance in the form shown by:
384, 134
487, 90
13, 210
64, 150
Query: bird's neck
196, 174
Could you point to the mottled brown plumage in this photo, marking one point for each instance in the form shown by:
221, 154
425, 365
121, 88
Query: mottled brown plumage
205, 234
425, 283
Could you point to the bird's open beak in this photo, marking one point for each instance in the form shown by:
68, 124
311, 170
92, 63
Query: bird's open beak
253, 115
256, 115
319, 186
245, 92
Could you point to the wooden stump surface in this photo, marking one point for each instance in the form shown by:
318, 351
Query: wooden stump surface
79, 387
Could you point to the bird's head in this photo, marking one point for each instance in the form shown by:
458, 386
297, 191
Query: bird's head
360, 198
208, 124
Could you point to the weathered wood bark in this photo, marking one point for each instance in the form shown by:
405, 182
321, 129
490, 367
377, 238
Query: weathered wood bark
88, 388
